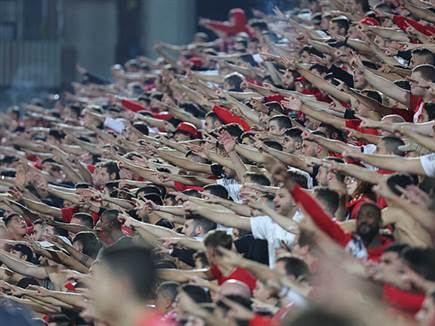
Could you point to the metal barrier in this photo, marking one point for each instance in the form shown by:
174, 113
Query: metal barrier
30, 64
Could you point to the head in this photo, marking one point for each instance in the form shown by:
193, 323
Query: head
233, 82
421, 76
338, 26
196, 226
109, 222
105, 173
422, 56
283, 202
165, 296
312, 149
215, 190
213, 241
83, 219
390, 259
234, 287
389, 145
328, 199
294, 268
127, 271
87, 243
212, 121
293, 141
391, 118
368, 221
327, 177
15, 226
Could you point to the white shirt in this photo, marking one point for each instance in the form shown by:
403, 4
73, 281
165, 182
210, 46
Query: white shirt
428, 164
233, 188
264, 228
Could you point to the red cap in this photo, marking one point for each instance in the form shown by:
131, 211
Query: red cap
187, 127
196, 61
369, 21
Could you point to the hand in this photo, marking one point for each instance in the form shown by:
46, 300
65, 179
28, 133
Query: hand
237, 311
292, 103
190, 207
416, 195
277, 169
228, 141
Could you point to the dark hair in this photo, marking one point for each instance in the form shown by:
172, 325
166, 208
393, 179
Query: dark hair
341, 22
111, 167
370, 208
244, 302
136, 265
298, 177
85, 219
218, 238
329, 198
8, 218
392, 144
283, 121
233, 129
91, 244
404, 84
217, 190
374, 95
294, 133
258, 23
56, 134
273, 144
320, 68
430, 56
202, 257
364, 5
397, 248
83, 185
193, 109
199, 221
112, 215
213, 116
146, 190
170, 289
141, 127
197, 293
421, 261
257, 178
427, 72
24, 250
295, 267
192, 193
234, 80
430, 109
399, 180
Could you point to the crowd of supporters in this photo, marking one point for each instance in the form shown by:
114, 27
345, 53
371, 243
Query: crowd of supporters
278, 173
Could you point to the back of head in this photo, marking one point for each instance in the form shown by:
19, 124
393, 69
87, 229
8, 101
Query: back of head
235, 287
90, 243
399, 180
197, 293
392, 145
217, 190
257, 178
218, 238
328, 198
295, 267
134, 264
369, 209
169, 289
427, 72
421, 261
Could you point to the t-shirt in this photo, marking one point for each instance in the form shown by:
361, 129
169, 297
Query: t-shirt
232, 186
263, 227
428, 164
238, 274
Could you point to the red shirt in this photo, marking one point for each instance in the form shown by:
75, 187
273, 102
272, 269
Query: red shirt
152, 319
404, 301
238, 274
68, 212
181, 187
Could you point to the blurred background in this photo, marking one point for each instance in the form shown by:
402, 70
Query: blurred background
41, 41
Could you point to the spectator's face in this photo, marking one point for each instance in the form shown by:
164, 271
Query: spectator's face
163, 302
17, 226
100, 176
291, 145
334, 30
359, 79
426, 314
305, 57
351, 184
367, 225
309, 148
391, 262
78, 246
211, 124
288, 80
189, 228
274, 128
283, 202
415, 81
262, 292
417, 60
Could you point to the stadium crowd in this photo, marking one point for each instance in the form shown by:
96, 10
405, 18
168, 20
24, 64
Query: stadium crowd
281, 173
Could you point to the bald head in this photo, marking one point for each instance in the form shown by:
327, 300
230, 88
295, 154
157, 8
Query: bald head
234, 287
